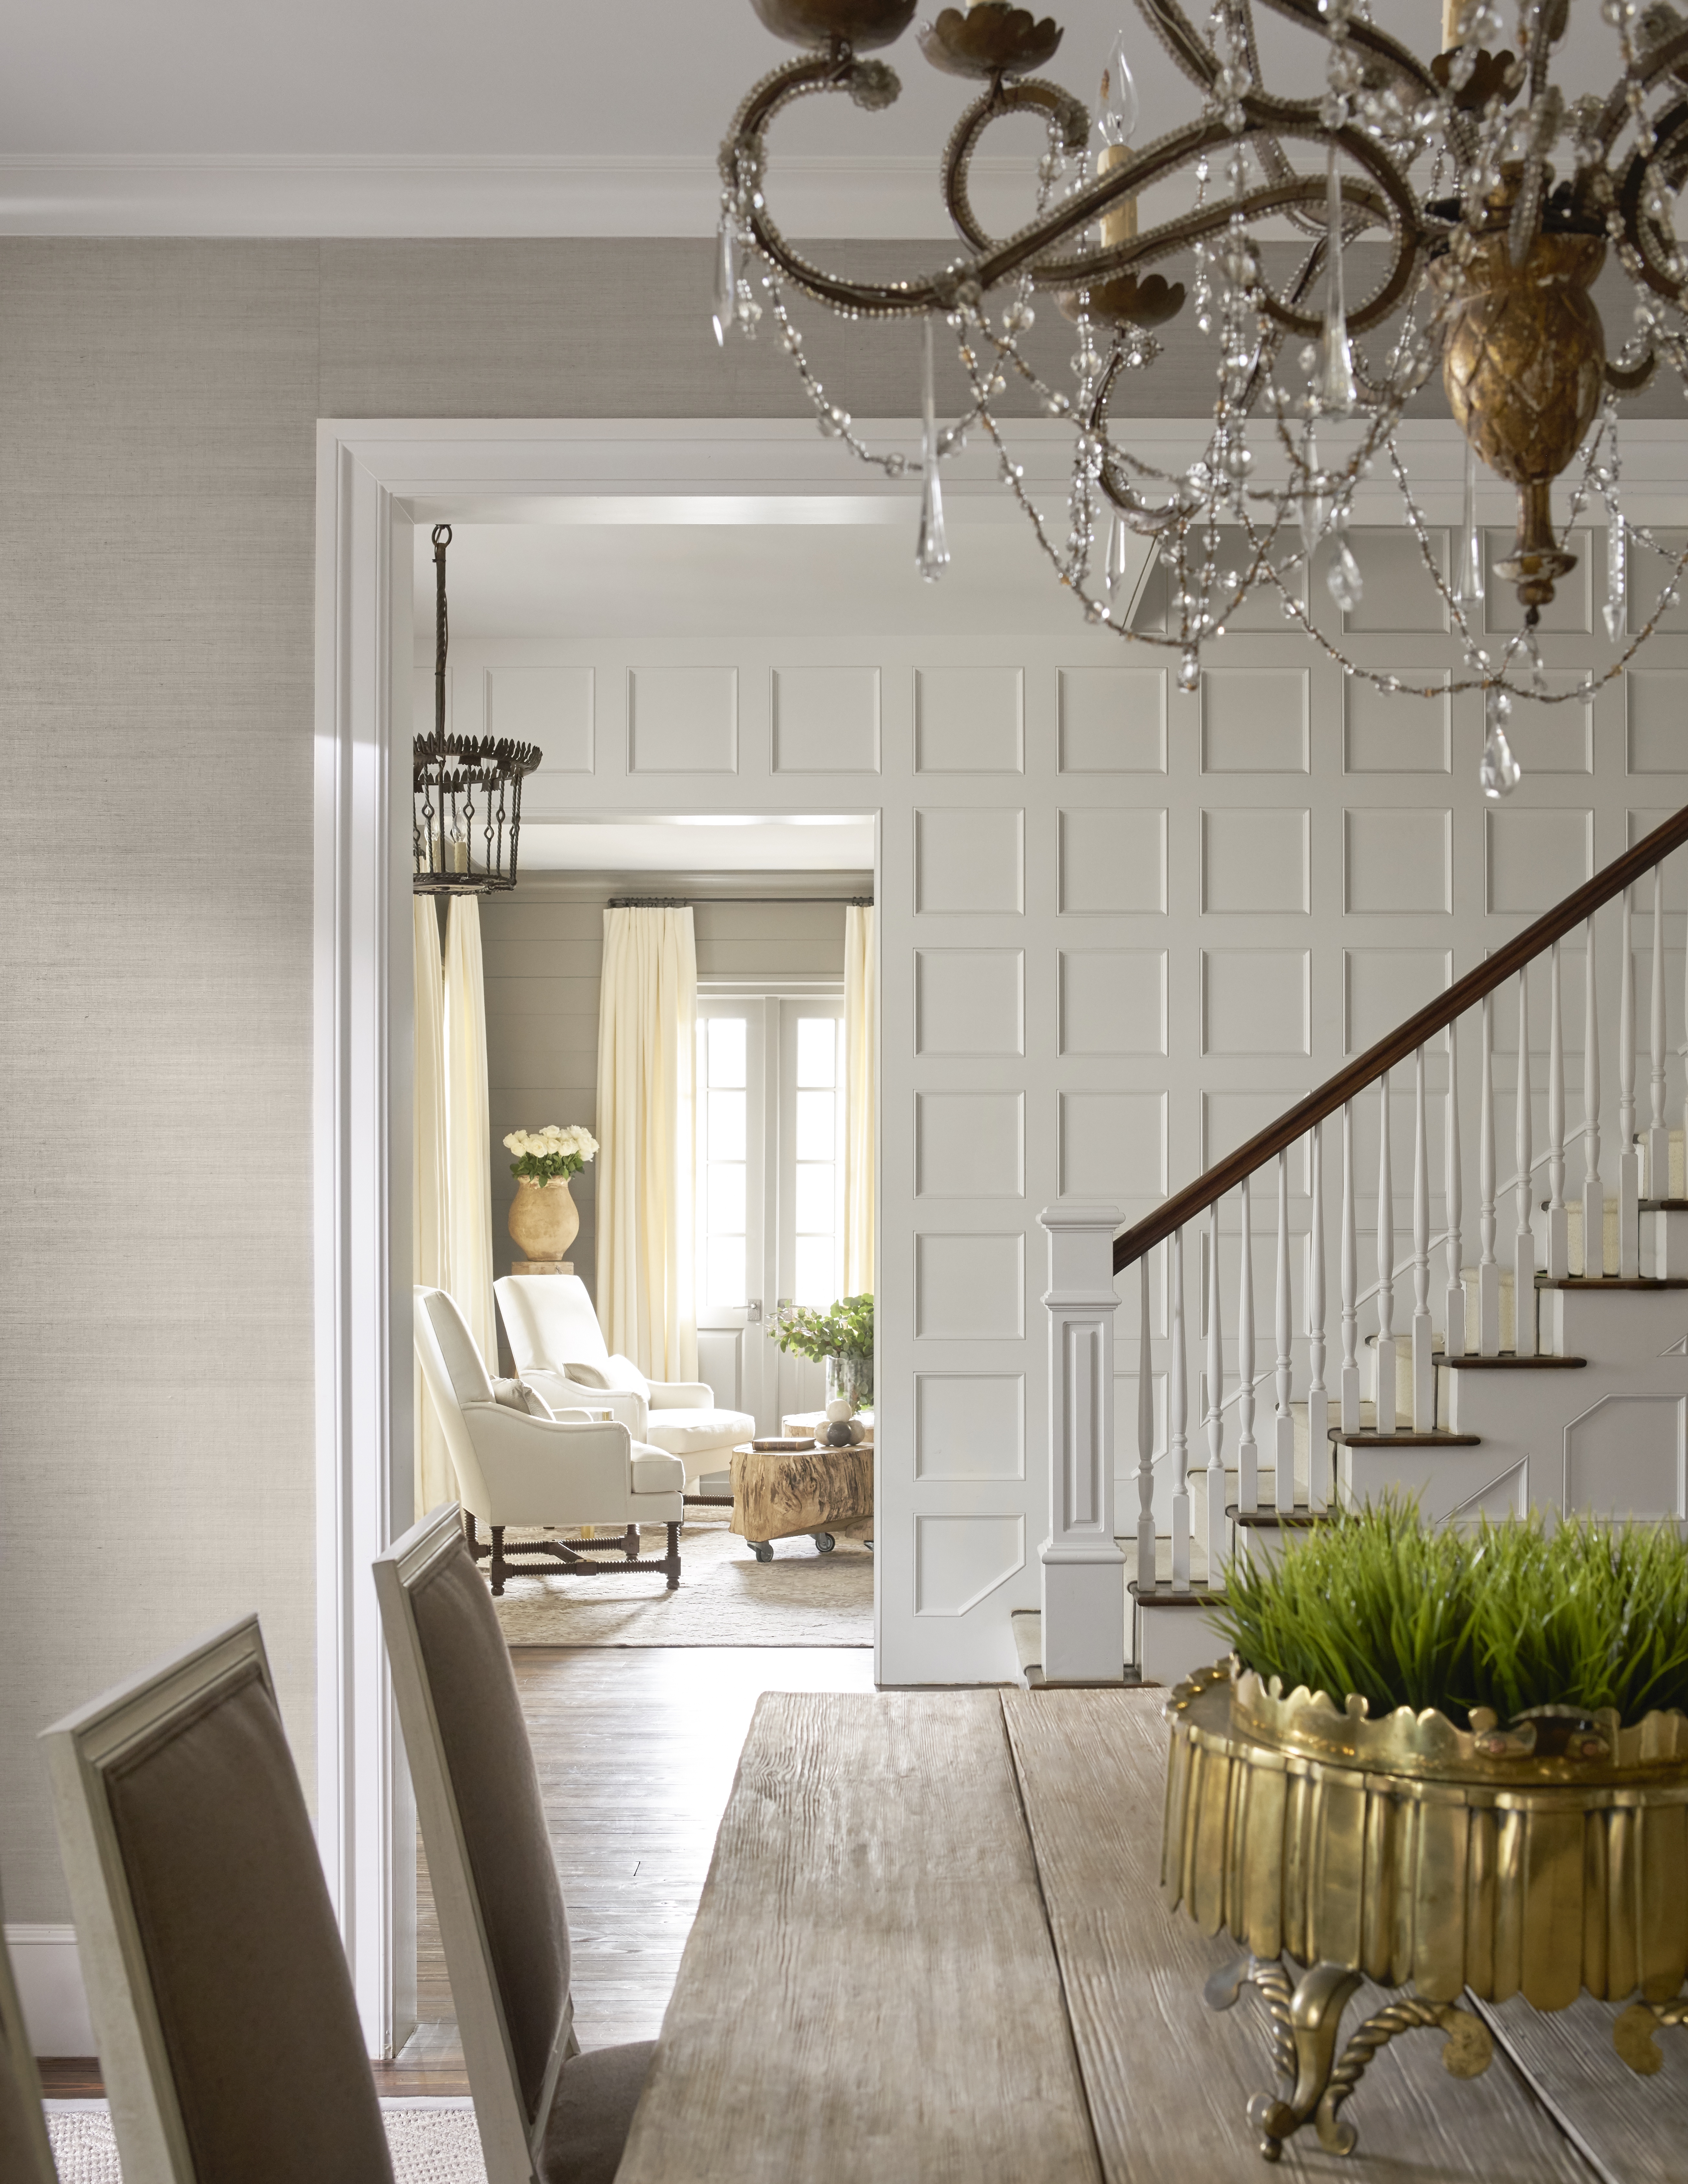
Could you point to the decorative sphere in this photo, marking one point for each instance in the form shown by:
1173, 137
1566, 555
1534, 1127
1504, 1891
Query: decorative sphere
839, 1408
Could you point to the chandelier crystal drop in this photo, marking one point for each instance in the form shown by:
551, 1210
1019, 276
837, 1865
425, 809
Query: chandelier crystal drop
1497, 193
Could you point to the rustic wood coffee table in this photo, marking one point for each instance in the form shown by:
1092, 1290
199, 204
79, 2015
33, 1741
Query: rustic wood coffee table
780, 1494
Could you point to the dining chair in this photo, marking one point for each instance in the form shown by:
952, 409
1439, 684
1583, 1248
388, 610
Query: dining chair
547, 2112
222, 2007
25, 2156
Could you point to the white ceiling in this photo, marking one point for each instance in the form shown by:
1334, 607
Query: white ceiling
821, 843
515, 117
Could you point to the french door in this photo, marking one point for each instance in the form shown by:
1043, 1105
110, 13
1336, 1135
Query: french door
771, 1177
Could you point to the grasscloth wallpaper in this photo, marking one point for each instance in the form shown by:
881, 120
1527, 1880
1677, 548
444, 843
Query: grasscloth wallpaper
157, 404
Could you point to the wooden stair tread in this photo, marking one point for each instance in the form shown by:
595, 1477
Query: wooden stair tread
1370, 1437
1294, 1520
1510, 1362
1168, 1596
1661, 1205
1611, 1282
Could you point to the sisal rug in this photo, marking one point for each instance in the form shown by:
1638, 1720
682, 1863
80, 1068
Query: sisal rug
726, 1597
430, 2144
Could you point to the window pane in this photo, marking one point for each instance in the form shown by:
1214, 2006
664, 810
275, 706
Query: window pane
724, 1277
816, 1198
726, 1050
817, 1281
726, 1214
727, 1126
815, 1140
816, 1050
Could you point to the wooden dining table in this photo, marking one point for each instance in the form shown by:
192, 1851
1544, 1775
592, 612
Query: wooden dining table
932, 1945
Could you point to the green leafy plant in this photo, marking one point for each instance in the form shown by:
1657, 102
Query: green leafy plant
844, 1330
1509, 1616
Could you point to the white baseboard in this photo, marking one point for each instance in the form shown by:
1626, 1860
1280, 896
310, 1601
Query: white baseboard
49, 1975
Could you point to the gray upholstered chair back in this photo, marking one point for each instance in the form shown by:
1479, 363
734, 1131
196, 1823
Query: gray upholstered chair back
227, 2027
26, 2157
489, 1857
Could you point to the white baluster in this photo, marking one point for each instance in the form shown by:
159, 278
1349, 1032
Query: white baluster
1558, 1247
1657, 1183
1629, 1164
1177, 1411
1383, 1392
1594, 1191
1424, 1355
1523, 1241
1488, 1222
1217, 1541
1248, 1451
1350, 1386
1318, 1399
1284, 1480
1145, 1441
1453, 1189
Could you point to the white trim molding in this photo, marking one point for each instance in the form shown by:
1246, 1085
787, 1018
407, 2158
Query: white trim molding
49, 1971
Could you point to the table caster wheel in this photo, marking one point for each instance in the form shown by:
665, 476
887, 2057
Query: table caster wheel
824, 1543
868, 1544
763, 1550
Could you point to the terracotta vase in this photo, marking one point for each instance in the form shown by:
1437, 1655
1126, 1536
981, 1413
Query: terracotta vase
543, 1219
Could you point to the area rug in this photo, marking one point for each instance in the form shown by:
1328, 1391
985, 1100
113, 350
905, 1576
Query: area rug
432, 2143
726, 1597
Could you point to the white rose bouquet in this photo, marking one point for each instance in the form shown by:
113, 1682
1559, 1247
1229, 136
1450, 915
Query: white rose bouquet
557, 1149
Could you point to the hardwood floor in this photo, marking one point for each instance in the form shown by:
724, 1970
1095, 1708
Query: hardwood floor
636, 1751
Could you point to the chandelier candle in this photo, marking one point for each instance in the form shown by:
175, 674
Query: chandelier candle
1498, 196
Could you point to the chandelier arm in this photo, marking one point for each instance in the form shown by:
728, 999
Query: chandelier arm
1063, 110
1525, 224
1182, 41
1362, 34
1670, 149
807, 74
1661, 60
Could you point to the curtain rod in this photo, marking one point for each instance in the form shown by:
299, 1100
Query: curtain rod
693, 901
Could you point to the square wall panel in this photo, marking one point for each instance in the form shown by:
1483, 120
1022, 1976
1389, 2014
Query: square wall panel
826, 720
1254, 720
1112, 860
1385, 731
969, 720
1648, 576
1398, 862
682, 720
1113, 720
1658, 705
1255, 859
969, 1289
1536, 858
1556, 738
970, 1144
1113, 1001
1255, 1000
1263, 607
1113, 1145
969, 1425
969, 1001
1572, 606
970, 862
1398, 591
550, 706
1382, 987
961, 1561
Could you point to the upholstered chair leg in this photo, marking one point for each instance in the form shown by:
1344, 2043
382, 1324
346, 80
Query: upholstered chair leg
630, 1543
498, 1560
671, 1560
469, 1532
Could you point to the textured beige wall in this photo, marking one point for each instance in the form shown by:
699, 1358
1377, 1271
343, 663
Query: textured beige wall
158, 404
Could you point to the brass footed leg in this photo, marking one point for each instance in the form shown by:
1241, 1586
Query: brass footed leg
1307, 2019
1634, 2032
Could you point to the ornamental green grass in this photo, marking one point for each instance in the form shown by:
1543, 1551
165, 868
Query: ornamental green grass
1509, 1616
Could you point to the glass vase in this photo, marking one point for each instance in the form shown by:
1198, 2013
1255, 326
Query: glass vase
852, 1379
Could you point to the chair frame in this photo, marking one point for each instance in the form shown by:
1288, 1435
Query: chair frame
510, 2151
568, 1558
140, 2086
17, 2060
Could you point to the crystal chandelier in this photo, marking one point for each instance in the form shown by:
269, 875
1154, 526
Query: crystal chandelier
465, 818
1492, 253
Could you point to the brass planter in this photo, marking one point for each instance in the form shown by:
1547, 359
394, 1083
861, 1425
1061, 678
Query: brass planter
1538, 1860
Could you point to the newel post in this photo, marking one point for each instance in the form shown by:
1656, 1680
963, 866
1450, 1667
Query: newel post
1083, 1570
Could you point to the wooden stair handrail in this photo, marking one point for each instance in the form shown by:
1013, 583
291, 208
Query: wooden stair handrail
1436, 1016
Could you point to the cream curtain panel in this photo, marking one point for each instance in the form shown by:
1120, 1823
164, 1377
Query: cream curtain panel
646, 1049
434, 1482
861, 1070
468, 1139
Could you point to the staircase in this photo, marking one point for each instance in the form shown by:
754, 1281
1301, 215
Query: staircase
1435, 1384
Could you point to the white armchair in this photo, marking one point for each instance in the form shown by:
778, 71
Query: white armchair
518, 1461
559, 1349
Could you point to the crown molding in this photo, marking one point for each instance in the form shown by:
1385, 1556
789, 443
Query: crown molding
515, 194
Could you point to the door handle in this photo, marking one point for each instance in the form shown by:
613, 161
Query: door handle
753, 1312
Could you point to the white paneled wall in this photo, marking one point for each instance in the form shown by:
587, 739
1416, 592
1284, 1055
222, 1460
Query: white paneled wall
1122, 928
